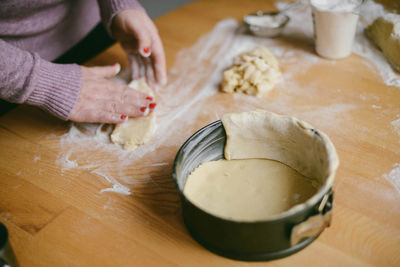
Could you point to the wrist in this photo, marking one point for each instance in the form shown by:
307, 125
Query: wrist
109, 9
120, 22
56, 88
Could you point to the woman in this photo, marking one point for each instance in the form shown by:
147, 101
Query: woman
37, 38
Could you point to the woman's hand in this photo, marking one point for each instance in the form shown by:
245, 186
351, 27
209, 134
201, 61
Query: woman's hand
106, 101
139, 37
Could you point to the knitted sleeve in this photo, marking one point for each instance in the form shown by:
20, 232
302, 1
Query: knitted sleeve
27, 78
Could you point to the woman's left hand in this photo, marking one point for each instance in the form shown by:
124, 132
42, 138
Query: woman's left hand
139, 37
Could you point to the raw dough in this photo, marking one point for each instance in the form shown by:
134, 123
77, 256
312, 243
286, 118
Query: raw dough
247, 189
300, 159
136, 131
253, 72
385, 32
266, 135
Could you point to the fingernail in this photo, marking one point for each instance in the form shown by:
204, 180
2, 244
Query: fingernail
146, 52
149, 98
123, 117
143, 109
152, 105
118, 68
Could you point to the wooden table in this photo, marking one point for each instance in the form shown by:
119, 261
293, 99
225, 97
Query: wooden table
57, 215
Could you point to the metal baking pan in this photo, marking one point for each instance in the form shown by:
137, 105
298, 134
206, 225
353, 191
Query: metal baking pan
7, 257
247, 241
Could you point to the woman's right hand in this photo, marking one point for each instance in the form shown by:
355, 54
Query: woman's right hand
105, 101
139, 37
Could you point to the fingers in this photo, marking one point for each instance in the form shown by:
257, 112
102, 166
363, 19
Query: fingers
152, 68
150, 77
127, 110
105, 101
106, 71
142, 66
134, 63
144, 41
106, 117
131, 103
96, 116
150, 52
146, 70
159, 64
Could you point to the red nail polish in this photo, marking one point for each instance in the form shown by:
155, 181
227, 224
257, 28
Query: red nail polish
123, 117
149, 98
143, 109
146, 50
152, 105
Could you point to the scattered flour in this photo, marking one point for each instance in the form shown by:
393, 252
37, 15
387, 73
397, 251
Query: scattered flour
36, 158
376, 106
336, 5
116, 186
301, 25
396, 126
65, 162
160, 164
365, 48
334, 112
89, 144
195, 78
394, 177
363, 97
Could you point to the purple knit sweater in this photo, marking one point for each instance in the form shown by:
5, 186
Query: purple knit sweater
34, 32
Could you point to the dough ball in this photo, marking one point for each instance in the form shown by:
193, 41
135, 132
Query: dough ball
385, 32
135, 131
247, 189
254, 72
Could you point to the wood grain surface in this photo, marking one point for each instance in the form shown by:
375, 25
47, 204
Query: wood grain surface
58, 216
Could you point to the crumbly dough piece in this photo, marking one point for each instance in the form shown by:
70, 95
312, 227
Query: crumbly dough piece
254, 72
247, 189
385, 32
135, 131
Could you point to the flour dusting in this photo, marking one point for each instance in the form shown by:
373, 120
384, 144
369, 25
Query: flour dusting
396, 126
301, 26
194, 80
116, 186
160, 164
394, 177
65, 162
189, 85
376, 106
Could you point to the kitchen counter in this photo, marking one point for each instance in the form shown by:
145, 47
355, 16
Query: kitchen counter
69, 198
